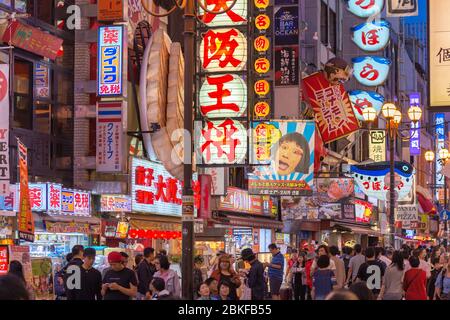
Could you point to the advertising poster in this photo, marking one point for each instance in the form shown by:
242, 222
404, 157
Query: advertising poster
22, 254
286, 66
332, 107
25, 220
285, 150
332, 198
4, 130
42, 282
286, 25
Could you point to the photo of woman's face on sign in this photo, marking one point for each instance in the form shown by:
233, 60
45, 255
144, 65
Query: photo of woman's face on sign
292, 154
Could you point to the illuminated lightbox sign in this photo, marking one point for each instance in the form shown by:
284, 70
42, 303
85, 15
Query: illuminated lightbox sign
223, 96
223, 50
364, 99
113, 203
371, 71
374, 179
75, 202
221, 142
110, 58
365, 8
235, 16
414, 132
363, 211
38, 196
371, 36
154, 190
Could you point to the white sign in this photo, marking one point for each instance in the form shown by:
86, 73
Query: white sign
82, 203
219, 180
4, 130
112, 203
439, 54
41, 81
154, 190
54, 197
402, 8
109, 137
406, 214
377, 145
38, 196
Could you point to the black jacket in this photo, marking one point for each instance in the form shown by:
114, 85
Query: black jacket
145, 272
255, 280
71, 293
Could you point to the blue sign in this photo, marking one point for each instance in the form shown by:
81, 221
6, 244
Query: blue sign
443, 215
109, 61
439, 122
414, 142
286, 26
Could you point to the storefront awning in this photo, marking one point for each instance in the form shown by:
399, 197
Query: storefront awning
254, 222
58, 218
353, 228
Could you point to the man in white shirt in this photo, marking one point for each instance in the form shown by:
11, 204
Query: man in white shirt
354, 264
386, 256
322, 251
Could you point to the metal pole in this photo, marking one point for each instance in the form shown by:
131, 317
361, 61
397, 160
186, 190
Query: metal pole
188, 201
445, 208
392, 183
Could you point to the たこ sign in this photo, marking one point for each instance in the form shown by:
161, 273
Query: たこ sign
110, 61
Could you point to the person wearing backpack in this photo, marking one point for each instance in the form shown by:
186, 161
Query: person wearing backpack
443, 283
323, 279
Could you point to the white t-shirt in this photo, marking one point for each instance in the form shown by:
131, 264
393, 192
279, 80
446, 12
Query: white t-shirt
386, 260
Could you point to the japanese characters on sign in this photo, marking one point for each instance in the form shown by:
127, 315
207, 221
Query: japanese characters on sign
371, 71
113, 203
109, 137
38, 196
439, 122
414, 142
25, 219
365, 8
54, 197
154, 190
110, 61
32, 40
4, 260
373, 179
439, 53
372, 36
286, 148
238, 200
4, 130
286, 25
331, 104
364, 99
402, 8
75, 202
41, 81
377, 145
237, 15
363, 211
286, 66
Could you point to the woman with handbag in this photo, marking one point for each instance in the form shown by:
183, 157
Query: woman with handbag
415, 281
392, 288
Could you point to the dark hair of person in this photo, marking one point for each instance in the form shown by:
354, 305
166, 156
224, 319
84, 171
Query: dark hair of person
272, 246
148, 252
299, 139
221, 284
405, 254
334, 251
69, 257
323, 262
414, 261
322, 246
77, 249
163, 262
342, 294
358, 248
12, 288
383, 251
361, 291
378, 251
158, 284
89, 253
370, 252
294, 251
138, 258
124, 254
397, 260
434, 260
163, 252
200, 285
16, 268
198, 259
209, 281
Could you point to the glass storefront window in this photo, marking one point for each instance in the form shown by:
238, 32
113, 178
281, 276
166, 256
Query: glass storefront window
23, 96
64, 121
42, 118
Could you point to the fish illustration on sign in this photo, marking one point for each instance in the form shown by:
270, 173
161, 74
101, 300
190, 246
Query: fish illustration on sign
363, 99
371, 36
371, 71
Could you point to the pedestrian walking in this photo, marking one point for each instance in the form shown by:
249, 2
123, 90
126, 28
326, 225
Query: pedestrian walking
340, 267
323, 278
119, 283
213, 289
276, 271
198, 274
224, 291
323, 250
442, 284
72, 267
436, 267
310, 257
299, 277
171, 278
355, 262
12, 288
392, 287
90, 279
361, 291
255, 276
415, 281
365, 271
226, 274
204, 293
145, 271
16, 268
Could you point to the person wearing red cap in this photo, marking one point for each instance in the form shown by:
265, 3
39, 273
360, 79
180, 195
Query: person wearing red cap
119, 283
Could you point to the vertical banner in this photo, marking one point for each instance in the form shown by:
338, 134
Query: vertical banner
109, 137
4, 130
414, 142
26, 222
205, 196
3, 260
41, 81
110, 61
439, 122
377, 145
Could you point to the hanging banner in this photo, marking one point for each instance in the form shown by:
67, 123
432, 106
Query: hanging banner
238, 200
54, 197
110, 61
285, 150
4, 130
363, 211
41, 81
109, 137
219, 180
25, 220
4, 260
374, 179
286, 66
203, 198
439, 53
332, 107
414, 142
377, 145
371, 36
439, 124
371, 71
365, 8
364, 99
402, 8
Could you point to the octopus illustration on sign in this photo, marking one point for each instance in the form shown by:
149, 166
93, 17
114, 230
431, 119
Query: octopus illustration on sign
373, 179
364, 99
371, 36
371, 71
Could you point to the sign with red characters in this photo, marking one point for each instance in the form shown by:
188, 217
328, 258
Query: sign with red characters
4, 260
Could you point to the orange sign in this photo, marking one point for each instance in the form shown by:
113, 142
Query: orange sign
262, 22
261, 4
262, 65
110, 10
261, 44
262, 87
262, 109
25, 221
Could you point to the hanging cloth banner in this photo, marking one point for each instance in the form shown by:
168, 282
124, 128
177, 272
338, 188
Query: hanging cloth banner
26, 222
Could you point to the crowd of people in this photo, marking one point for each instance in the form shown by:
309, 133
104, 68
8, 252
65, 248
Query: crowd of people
322, 273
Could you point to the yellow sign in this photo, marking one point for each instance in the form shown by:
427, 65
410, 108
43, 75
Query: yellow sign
262, 109
261, 4
262, 22
262, 65
262, 87
261, 44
